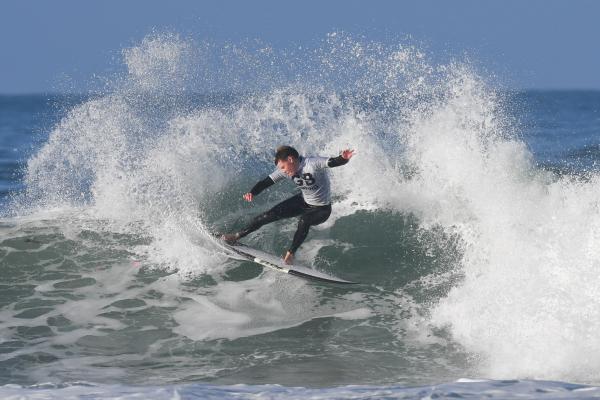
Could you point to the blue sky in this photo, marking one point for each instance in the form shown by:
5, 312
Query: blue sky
60, 44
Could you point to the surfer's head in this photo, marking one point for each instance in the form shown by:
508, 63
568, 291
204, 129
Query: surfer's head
287, 159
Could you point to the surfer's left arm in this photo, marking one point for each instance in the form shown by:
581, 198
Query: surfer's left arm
342, 159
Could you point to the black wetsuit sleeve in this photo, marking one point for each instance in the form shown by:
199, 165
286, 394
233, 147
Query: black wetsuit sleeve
262, 185
336, 161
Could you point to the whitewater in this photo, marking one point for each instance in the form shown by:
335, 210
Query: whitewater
474, 236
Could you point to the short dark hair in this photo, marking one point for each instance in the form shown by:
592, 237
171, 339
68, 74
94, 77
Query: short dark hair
283, 152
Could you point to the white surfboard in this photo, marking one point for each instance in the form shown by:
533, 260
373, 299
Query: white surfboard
275, 263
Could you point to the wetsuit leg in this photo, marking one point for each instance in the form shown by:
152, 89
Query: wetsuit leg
289, 208
313, 216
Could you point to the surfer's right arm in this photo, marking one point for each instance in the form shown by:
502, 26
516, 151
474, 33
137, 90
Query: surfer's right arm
259, 187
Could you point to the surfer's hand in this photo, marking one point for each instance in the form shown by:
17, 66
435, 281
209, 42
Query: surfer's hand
248, 197
289, 258
347, 154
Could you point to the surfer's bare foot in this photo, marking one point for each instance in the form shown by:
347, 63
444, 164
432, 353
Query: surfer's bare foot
289, 258
230, 237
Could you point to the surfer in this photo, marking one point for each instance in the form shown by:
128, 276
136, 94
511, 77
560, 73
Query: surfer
312, 205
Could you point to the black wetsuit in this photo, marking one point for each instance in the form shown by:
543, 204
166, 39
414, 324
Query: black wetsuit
313, 205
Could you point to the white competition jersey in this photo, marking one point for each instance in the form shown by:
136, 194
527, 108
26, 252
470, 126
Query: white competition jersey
311, 178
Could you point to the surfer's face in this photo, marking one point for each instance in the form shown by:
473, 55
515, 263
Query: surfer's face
289, 166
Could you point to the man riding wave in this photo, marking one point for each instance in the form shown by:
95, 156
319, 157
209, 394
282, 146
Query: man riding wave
312, 205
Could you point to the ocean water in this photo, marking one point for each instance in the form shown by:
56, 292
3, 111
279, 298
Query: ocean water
470, 217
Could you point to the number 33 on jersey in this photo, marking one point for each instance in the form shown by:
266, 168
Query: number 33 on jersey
312, 179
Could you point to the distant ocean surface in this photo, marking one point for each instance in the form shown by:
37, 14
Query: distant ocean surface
470, 216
